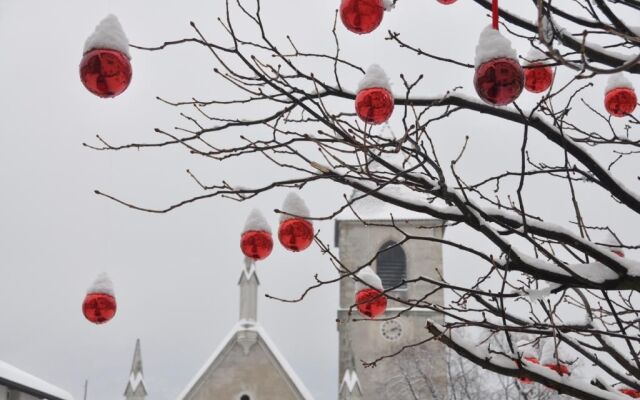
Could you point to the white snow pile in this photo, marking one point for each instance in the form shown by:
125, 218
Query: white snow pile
108, 35
102, 284
371, 279
548, 353
618, 80
388, 5
256, 222
536, 57
492, 44
526, 349
375, 77
17, 376
294, 206
614, 243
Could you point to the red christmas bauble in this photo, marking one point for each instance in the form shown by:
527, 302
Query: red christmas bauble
525, 380
295, 234
370, 302
631, 392
361, 16
560, 368
99, 307
537, 79
499, 81
446, 2
105, 72
620, 101
619, 253
374, 105
256, 244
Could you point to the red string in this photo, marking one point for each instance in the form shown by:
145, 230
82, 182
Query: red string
494, 10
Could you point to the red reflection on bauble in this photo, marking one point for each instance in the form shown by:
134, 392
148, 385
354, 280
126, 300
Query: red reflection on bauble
620, 101
105, 72
499, 81
371, 302
560, 368
256, 244
295, 234
524, 380
361, 16
374, 105
99, 307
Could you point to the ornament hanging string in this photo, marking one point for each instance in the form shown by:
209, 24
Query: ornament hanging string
495, 14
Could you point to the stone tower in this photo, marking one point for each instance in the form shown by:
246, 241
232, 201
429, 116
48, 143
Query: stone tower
136, 389
417, 373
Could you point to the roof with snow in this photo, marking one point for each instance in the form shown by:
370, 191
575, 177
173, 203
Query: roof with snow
135, 384
233, 338
22, 381
350, 382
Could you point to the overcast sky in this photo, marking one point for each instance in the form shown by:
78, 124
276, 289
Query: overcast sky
175, 274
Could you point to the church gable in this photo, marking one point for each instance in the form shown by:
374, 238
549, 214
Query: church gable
246, 364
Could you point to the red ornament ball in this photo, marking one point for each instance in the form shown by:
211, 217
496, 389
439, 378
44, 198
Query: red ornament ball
560, 368
537, 79
99, 307
499, 81
631, 392
371, 302
256, 244
446, 2
295, 234
374, 105
620, 101
361, 16
524, 380
105, 72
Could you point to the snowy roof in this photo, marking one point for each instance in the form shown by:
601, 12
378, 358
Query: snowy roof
350, 382
370, 208
263, 339
22, 381
136, 378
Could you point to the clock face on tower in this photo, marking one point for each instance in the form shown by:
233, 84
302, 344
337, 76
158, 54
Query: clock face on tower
391, 330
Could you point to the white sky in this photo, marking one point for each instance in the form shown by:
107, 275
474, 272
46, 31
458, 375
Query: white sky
175, 275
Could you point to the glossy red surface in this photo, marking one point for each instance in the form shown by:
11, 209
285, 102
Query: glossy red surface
361, 16
105, 73
560, 368
256, 244
295, 234
370, 303
538, 79
631, 392
99, 307
446, 2
525, 380
374, 105
620, 101
499, 81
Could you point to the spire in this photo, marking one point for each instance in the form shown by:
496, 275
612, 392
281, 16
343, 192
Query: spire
249, 283
136, 388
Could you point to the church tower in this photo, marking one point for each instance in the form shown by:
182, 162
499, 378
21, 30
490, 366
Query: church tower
417, 373
136, 389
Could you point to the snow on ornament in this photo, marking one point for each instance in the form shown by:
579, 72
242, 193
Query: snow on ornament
633, 393
528, 354
105, 69
537, 75
374, 101
498, 79
296, 231
369, 298
256, 242
554, 358
613, 245
620, 98
363, 16
99, 305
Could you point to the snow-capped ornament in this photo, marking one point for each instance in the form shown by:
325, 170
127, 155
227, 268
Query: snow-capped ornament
99, 305
620, 98
363, 16
256, 242
499, 78
374, 101
553, 358
633, 393
529, 354
296, 231
105, 69
370, 300
614, 245
537, 75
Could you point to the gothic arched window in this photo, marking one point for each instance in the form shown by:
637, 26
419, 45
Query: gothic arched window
392, 265
245, 397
